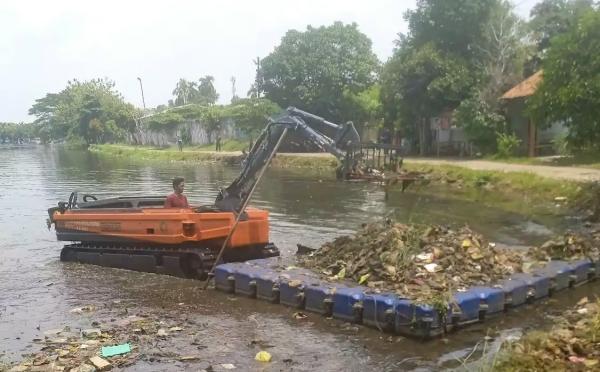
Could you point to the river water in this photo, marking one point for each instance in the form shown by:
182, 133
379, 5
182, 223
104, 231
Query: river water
37, 291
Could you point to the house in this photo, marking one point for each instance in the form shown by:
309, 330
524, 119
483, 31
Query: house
536, 139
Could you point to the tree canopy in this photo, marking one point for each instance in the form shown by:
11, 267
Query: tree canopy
455, 27
570, 90
313, 69
15, 131
202, 92
91, 110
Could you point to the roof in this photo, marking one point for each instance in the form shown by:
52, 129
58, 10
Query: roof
525, 88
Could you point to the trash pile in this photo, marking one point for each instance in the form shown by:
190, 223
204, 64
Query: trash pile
415, 261
570, 246
571, 345
121, 344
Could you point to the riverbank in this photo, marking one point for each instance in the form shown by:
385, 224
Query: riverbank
518, 190
282, 160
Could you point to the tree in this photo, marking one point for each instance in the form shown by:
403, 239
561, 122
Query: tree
184, 92
503, 53
550, 18
92, 111
13, 132
480, 122
250, 114
312, 69
570, 91
454, 27
365, 108
212, 117
256, 90
234, 96
417, 84
206, 93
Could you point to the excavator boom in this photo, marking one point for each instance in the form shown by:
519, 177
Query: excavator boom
295, 120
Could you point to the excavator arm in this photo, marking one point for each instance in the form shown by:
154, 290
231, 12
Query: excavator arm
300, 122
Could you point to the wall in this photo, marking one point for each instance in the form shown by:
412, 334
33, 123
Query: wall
198, 134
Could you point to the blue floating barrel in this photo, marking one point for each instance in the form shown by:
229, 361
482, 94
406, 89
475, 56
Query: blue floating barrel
291, 291
417, 320
491, 300
581, 270
538, 284
224, 277
559, 273
379, 310
347, 304
267, 286
515, 292
245, 280
465, 307
319, 297
263, 262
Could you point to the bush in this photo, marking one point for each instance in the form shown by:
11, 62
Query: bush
561, 146
507, 145
480, 122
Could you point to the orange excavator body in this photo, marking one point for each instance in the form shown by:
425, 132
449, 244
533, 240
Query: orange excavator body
167, 226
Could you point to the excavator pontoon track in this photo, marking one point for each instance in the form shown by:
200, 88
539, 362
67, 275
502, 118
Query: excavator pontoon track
180, 261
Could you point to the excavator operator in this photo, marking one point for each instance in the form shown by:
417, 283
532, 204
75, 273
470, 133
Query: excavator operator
177, 199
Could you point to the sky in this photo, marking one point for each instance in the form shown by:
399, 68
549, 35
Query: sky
44, 44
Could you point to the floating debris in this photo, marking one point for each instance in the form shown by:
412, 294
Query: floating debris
571, 345
263, 356
570, 246
108, 351
415, 261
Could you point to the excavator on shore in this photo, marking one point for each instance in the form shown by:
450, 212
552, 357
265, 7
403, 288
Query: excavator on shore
138, 233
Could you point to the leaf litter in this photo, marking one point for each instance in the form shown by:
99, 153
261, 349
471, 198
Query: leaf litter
426, 263
415, 261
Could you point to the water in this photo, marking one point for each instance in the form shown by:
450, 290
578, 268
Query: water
37, 290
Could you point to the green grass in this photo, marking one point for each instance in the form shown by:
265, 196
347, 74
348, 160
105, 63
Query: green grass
585, 159
516, 184
204, 154
228, 145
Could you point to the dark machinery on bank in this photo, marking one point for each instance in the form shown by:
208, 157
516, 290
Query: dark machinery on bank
138, 233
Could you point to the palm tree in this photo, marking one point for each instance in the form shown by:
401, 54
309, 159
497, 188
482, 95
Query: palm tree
206, 90
184, 92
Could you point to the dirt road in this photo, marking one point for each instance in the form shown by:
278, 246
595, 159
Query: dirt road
556, 172
566, 173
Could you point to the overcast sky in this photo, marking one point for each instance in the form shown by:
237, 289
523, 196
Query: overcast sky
43, 44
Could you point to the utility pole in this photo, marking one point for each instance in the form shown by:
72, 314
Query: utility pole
142, 89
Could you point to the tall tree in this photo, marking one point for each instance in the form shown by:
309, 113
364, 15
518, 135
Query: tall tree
184, 92
256, 90
312, 69
418, 84
502, 52
206, 94
92, 111
550, 18
570, 91
454, 27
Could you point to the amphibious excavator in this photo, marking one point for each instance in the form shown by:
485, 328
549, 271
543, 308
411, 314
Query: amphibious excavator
138, 233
